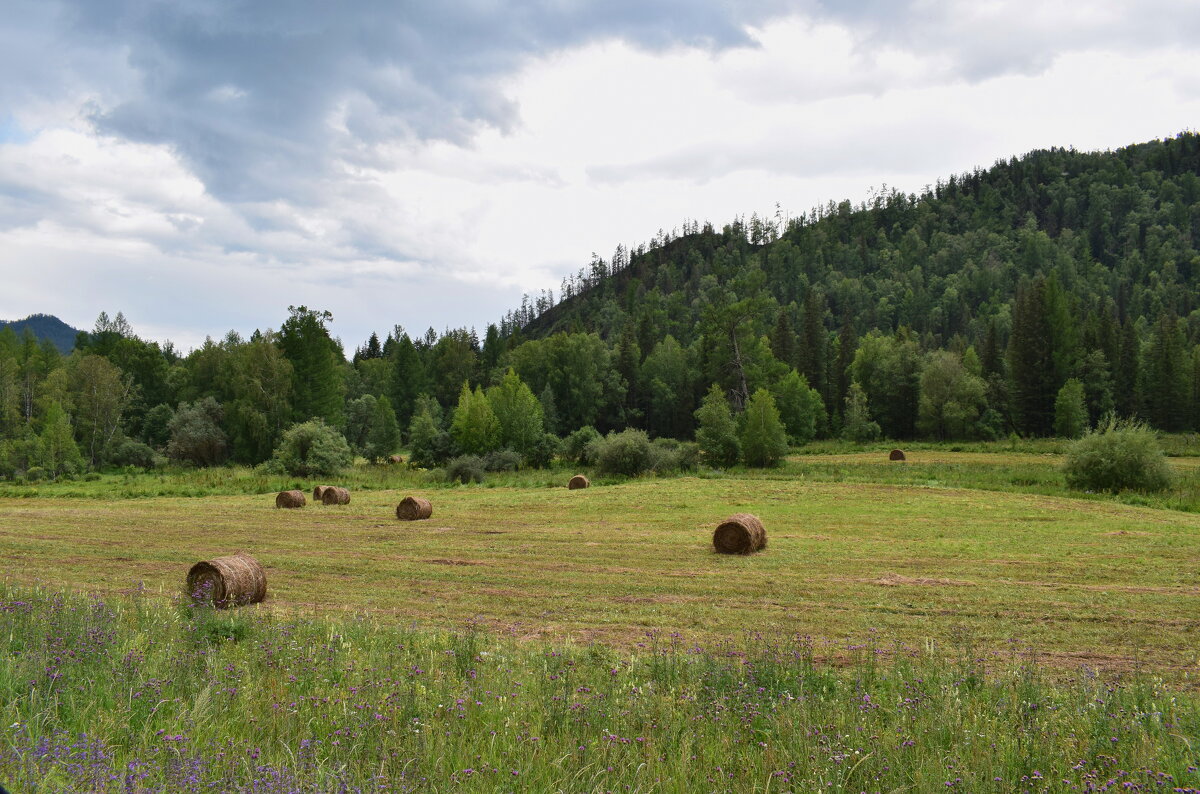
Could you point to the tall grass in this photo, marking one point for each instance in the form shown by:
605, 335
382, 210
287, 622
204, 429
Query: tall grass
134, 695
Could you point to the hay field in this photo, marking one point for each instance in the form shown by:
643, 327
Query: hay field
1091, 582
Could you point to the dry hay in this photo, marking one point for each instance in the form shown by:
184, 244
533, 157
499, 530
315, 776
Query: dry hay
335, 495
896, 580
414, 508
228, 581
741, 533
290, 499
395, 459
578, 481
319, 492
896, 454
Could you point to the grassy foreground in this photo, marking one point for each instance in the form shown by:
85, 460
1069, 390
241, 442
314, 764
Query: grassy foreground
1086, 582
136, 695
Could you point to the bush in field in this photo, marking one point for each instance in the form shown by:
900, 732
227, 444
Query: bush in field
502, 460
667, 454
577, 446
1117, 456
465, 469
312, 448
627, 452
127, 452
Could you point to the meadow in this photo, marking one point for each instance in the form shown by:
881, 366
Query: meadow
959, 620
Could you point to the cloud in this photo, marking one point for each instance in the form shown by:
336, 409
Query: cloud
263, 97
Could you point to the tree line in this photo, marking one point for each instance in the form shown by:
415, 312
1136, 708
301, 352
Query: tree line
1035, 298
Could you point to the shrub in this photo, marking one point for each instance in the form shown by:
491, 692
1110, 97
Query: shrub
627, 452
1117, 456
127, 452
577, 447
542, 454
310, 449
664, 455
502, 460
465, 469
430, 444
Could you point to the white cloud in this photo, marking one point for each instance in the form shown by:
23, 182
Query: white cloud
609, 142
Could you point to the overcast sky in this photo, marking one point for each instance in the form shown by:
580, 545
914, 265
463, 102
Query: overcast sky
201, 165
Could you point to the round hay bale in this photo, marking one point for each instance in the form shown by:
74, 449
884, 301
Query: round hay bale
290, 499
578, 481
896, 454
335, 495
395, 459
414, 508
319, 492
741, 533
227, 581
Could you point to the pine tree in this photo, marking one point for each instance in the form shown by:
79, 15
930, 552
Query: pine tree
1031, 362
317, 386
811, 356
1125, 380
784, 342
717, 435
408, 379
384, 436
762, 435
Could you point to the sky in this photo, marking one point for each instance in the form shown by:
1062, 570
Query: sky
202, 165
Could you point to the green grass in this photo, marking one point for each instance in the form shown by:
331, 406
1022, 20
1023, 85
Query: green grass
129, 694
1085, 581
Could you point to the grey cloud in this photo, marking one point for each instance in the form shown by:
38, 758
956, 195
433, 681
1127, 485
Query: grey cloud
261, 96
1021, 40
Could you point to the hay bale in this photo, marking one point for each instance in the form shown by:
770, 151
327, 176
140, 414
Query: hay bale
741, 533
335, 495
395, 459
578, 481
319, 492
896, 454
228, 581
290, 499
414, 508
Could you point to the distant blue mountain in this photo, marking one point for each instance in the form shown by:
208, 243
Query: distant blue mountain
45, 326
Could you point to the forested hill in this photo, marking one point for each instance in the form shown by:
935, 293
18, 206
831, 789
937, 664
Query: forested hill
1121, 226
1104, 243
45, 326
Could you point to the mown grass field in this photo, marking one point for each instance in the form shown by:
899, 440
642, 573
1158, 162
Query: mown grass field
1083, 581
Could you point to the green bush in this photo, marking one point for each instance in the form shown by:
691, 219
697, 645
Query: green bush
627, 452
312, 449
541, 454
127, 452
502, 460
465, 469
577, 447
1117, 456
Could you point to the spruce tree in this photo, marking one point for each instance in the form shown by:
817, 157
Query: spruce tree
717, 436
384, 436
1031, 362
316, 378
762, 435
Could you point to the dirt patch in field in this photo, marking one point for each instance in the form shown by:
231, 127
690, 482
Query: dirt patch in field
455, 562
896, 580
655, 599
1127, 532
